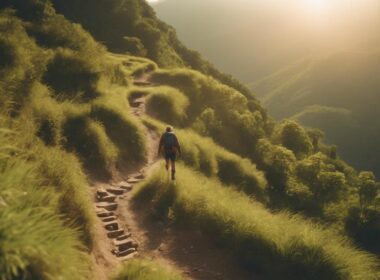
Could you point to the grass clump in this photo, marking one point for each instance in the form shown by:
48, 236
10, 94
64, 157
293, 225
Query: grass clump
167, 104
279, 246
124, 131
90, 142
141, 269
34, 240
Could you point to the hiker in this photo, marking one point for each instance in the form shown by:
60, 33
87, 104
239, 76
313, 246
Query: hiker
169, 147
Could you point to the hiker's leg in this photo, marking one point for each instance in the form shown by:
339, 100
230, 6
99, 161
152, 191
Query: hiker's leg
167, 163
172, 161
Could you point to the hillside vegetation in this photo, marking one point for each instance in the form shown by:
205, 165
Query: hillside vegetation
66, 121
337, 94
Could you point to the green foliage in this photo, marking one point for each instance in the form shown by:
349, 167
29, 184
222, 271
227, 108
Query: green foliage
293, 137
278, 245
139, 269
167, 104
89, 140
71, 76
122, 129
134, 46
35, 243
212, 160
216, 108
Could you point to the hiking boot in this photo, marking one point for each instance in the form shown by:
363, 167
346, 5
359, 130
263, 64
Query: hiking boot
173, 176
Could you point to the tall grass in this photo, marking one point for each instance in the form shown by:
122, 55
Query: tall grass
212, 160
168, 104
279, 246
139, 269
34, 242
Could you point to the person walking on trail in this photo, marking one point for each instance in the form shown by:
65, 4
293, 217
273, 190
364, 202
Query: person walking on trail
169, 147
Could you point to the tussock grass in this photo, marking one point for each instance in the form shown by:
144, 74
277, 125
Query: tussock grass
34, 242
212, 160
279, 246
141, 269
90, 142
121, 127
168, 104
63, 171
132, 65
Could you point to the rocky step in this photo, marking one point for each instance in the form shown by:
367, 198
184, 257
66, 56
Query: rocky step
107, 206
124, 185
115, 233
123, 237
125, 244
104, 214
101, 192
116, 191
133, 180
109, 219
124, 253
111, 226
108, 198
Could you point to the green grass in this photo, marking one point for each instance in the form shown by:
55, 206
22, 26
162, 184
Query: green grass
167, 104
34, 240
213, 160
277, 245
142, 269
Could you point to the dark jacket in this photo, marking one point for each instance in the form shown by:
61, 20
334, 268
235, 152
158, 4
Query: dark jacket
176, 148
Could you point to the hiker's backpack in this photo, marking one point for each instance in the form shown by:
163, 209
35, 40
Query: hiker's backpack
169, 140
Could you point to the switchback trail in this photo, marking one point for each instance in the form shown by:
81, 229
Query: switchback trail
125, 230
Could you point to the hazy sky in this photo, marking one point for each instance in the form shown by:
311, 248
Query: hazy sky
251, 38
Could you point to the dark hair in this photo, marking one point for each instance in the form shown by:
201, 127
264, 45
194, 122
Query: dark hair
169, 129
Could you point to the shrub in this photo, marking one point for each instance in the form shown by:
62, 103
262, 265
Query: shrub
72, 77
89, 140
168, 104
241, 173
122, 129
139, 269
35, 243
280, 246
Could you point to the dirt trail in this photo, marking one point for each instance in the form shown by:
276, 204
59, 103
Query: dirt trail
125, 230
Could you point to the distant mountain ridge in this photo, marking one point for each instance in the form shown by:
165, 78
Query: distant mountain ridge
338, 94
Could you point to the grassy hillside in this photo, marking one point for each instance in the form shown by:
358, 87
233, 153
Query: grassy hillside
338, 94
66, 120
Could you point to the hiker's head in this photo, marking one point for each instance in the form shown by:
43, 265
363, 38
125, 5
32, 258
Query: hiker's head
169, 129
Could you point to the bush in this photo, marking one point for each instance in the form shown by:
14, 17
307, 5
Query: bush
280, 246
35, 243
139, 269
122, 129
89, 140
72, 77
168, 104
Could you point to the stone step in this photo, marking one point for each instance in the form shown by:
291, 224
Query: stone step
124, 185
116, 191
123, 237
127, 188
115, 233
101, 192
107, 206
130, 256
133, 181
125, 244
111, 226
125, 252
109, 219
108, 198
140, 176
103, 214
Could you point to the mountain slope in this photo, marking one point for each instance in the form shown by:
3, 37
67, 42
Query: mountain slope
69, 126
338, 94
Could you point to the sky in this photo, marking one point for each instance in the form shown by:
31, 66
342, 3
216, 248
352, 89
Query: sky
235, 34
